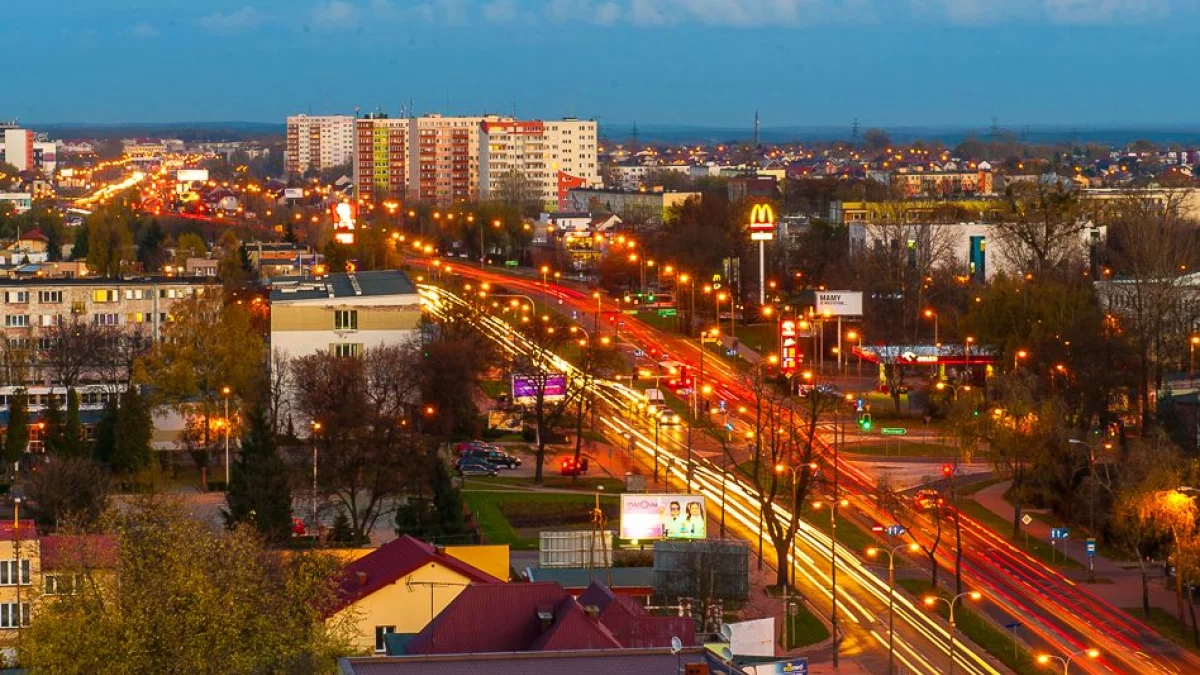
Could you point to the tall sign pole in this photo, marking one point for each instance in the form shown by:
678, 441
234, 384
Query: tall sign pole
762, 230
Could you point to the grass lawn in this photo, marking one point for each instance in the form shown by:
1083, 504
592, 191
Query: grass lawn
487, 507
1036, 547
993, 640
669, 324
896, 448
806, 628
971, 489
1168, 624
549, 480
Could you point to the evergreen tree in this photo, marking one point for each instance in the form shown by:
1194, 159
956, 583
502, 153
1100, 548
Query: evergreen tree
106, 434
258, 488
74, 442
440, 519
54, 437
343, 532
16, 439
134, 428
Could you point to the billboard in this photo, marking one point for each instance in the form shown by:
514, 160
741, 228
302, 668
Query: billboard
188, 175
344, 215
525, 388
789, 346
662, 516
762, 222
293, 193
839, 303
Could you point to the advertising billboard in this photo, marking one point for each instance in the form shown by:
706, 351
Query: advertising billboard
839, 303
525, 388
189, 175
344, 215
660, 516
789, 345
293, 193
762, 222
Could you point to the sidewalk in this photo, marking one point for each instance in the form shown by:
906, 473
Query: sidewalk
1126, 588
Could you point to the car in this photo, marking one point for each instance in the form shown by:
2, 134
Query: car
569, 467
928, 500
667, 418
468, 446
476, 468
497, 458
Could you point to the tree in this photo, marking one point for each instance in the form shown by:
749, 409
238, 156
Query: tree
1044, 227
189, 245
54, 438
163, 592
258, 493
877, 139
134, 428
16, 437
438, 517
1149, 468
540, 369
454, 356
73, 442
151, 252
70, 490
106, 434
73, 347
109, 239
368, 410
1025, 432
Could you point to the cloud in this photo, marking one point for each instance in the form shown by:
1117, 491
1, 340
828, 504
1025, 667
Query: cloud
246, 18
334, 14
500, 11
144, 30
1106, 11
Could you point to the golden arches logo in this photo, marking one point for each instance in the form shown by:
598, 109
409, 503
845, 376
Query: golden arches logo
762, 217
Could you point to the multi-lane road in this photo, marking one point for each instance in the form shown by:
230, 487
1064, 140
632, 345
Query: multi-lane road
1057, 614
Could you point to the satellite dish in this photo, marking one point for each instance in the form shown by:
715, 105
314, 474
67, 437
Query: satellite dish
726, 632
726, 654
676, 645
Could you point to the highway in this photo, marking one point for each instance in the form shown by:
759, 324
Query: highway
1056, 613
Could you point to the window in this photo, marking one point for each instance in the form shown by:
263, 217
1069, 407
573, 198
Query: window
106, 319
381, 631
345, 319
343, 349
78, 307
16, 320
50, 296
16, 296
63, 584
12, 614
8, 572
104, 295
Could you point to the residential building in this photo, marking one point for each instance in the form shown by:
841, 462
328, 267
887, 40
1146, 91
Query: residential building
20, 201
317, 142
45, 156
401, 586
18, 149
920, 183
344, 313
381, 157
688, 661
646, 206
443, 157
280, 259
544, 153
543, 616
918, 211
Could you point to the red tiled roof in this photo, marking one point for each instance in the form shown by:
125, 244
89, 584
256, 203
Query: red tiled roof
78, 551
395, 560
33, 235
505, 618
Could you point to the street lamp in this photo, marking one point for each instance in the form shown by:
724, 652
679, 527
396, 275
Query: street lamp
1066, 662
1021, 354
1192, 356
891, 554
316, 428
225, 394
930, 314
932, 600
835, 503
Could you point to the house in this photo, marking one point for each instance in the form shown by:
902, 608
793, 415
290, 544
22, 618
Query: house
689, 661
543, 616
401, 586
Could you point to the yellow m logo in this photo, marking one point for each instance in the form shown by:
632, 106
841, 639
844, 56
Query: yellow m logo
762, 215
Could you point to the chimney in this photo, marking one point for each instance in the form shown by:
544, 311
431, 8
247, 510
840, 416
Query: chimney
545, 617
361, 577
592, 611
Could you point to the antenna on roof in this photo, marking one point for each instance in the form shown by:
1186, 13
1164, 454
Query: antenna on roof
757, 143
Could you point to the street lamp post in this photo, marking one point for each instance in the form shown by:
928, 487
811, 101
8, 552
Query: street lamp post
1192, 356
833, 587
931, 600
891, 554
225, 395
930, 314
1091, 653
316, 427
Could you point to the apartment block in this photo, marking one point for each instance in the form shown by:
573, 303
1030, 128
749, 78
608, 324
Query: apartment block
545, 153
381, 157
444, 158
318, 142
18, 148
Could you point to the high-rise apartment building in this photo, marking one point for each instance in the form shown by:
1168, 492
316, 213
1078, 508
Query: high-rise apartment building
381, 157
18, 148
443, 158
537, 153
318, 142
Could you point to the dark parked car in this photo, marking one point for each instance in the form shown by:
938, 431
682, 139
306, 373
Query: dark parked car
497, 458
476, 468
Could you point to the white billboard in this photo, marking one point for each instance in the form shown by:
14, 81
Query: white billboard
293, 193
752, 638
189, 175
839, 303
663, 516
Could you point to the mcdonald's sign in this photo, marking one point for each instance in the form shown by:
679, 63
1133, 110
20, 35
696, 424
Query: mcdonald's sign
762, 222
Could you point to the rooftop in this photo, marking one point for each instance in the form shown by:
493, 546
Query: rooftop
576, 662
344, 285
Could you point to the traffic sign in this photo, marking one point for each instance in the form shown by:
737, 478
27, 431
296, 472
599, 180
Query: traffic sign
667, 312
895, 530
1059, 533
893, 431
1091, 546
1026, 519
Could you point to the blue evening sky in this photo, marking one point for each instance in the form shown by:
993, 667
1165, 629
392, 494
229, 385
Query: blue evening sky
701, 62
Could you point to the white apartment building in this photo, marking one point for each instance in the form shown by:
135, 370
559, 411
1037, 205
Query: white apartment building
318, 142
543, 152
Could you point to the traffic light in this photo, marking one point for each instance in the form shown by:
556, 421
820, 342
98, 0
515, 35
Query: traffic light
864, 421
947, 470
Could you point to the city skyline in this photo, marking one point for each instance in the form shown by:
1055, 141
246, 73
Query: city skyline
797, 62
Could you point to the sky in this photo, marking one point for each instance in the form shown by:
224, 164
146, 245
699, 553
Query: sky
653, 62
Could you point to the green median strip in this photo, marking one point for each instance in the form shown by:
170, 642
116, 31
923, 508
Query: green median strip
805, 629
979, 630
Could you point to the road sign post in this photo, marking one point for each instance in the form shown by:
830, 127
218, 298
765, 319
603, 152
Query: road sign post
1091, 559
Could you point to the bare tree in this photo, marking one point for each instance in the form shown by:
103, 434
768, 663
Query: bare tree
279, 389
896, 267
1044, 226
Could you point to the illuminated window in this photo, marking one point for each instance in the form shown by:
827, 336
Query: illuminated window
345, 319
104, 295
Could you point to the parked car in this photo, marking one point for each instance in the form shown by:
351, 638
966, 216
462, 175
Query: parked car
569, 467
476, 468
497, 458
467, 446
